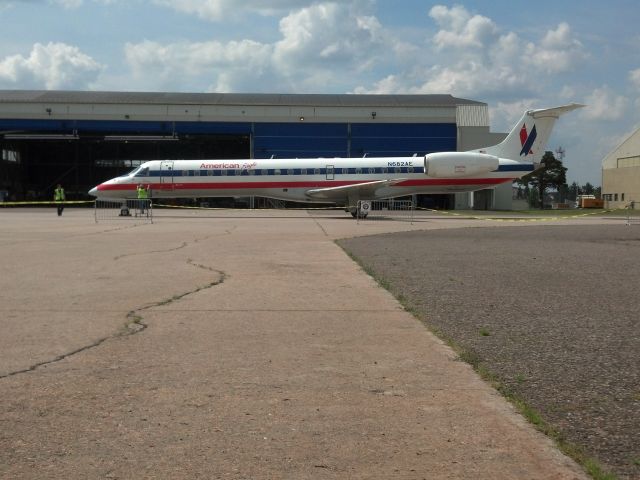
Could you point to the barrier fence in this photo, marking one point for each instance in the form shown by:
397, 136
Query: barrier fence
632, 218
138, 210
377, 210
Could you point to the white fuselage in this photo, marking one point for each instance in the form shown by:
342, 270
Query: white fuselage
296, 179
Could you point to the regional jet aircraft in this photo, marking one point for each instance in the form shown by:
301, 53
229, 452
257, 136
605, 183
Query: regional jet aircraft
345, 181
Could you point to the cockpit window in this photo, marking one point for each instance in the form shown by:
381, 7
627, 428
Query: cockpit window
141, 172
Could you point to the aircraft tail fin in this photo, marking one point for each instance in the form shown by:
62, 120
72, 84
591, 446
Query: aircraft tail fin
528, 138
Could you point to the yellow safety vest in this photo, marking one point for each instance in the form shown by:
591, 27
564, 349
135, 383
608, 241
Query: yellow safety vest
142, 193
58, 194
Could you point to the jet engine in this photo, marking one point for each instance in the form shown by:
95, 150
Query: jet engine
459, 164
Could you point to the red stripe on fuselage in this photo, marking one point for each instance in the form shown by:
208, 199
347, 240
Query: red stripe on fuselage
302, 184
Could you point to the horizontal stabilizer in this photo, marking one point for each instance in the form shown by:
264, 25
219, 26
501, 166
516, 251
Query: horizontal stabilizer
555, 111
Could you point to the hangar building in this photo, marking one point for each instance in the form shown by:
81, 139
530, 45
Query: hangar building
621, 174
80, 139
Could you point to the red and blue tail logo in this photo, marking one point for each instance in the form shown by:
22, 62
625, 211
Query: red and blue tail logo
527, 139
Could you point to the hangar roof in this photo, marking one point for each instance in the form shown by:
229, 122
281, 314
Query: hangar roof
258, 99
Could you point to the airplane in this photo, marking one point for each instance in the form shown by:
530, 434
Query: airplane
346, 181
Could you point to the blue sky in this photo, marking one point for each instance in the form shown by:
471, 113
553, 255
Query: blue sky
514, 55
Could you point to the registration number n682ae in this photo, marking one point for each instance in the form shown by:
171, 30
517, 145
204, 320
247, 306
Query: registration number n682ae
400, 164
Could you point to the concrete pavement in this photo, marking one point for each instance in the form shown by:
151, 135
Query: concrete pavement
238, 344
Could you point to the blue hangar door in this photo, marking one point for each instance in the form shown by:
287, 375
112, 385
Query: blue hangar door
308, 140
300, 140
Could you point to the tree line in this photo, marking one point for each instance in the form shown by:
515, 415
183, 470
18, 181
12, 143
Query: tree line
551, 176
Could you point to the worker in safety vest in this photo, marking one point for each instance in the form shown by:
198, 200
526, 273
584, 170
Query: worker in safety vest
143, 197
59, 198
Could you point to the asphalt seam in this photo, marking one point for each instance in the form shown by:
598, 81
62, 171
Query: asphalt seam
278, 310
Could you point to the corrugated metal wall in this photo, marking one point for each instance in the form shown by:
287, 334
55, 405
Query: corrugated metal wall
472, 115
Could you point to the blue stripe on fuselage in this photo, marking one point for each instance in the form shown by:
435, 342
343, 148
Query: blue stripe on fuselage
520, 167
280, 172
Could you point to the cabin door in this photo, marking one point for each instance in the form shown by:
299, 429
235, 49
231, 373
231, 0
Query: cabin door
166, 176
330, 172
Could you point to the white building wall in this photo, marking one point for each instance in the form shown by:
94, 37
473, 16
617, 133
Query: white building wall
621, 174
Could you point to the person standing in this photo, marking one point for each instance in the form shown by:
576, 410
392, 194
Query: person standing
59, 198
143, 198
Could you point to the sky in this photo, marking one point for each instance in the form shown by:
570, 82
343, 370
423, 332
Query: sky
514, 55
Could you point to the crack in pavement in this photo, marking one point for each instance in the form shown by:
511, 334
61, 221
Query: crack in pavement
147, 252
184, 245
135, 323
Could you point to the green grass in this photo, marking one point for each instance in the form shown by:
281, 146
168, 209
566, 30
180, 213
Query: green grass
568, 213
589, 464
520, 379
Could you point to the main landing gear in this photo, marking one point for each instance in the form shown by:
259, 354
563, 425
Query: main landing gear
361, 210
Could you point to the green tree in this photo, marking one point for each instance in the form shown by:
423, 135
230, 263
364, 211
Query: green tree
574, 191
588, 189
551, 174
597, 191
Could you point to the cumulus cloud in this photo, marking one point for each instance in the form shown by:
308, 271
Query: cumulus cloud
472, 56
50, 66
217, 10
634, 77
69, 4
315, 42
469, 55
327, 34
223, 64
472, 78
557, 52
460, 29
389, 84
604, 104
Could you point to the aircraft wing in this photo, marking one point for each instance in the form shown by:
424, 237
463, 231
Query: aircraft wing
363, 190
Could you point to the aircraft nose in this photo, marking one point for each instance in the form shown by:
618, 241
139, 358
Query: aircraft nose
94, 191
